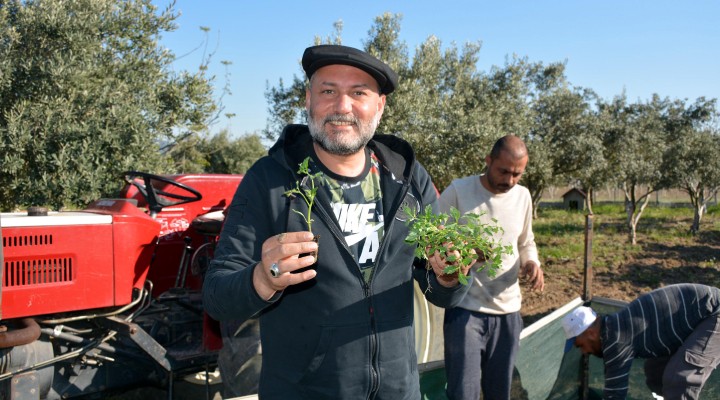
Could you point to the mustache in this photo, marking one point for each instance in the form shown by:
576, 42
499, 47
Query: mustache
341, 118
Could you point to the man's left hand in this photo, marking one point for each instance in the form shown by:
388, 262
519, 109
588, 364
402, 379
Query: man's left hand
438, 263
534, 275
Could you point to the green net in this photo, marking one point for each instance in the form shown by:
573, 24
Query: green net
544, 372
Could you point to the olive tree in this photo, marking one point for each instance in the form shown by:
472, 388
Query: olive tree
225, 155
86, 92
692, 162
437, 105
635, 144
566, 137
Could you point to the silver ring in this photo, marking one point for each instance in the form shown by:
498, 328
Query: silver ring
274, 270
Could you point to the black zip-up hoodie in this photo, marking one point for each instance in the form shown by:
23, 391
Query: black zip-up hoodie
335, 336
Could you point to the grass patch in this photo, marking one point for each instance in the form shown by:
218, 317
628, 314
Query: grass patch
663, 234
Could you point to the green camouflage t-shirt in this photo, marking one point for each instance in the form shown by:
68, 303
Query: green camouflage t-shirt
357, 204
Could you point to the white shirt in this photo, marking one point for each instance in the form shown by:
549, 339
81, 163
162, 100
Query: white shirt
513, 212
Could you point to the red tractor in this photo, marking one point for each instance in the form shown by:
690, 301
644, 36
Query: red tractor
102, 300
108, 298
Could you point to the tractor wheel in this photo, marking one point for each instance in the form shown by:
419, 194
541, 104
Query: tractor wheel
240, 358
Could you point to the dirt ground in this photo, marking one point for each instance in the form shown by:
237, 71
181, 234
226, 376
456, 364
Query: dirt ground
696, 260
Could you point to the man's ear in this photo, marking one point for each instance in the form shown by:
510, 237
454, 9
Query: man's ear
381, 103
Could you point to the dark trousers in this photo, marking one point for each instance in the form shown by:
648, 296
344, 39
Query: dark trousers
683, 374
480, 352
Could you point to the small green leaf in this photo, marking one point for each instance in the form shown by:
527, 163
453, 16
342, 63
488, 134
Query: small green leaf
462, 278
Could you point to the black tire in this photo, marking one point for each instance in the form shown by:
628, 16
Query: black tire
240, 358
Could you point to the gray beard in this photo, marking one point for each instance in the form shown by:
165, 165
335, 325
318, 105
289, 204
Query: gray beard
345, 146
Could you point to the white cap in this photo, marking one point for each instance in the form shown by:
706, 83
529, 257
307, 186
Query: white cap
577, 321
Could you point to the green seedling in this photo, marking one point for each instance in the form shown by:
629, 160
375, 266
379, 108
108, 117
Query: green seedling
305, 189
467, 234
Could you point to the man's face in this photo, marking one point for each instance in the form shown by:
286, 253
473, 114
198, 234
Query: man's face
589, 342
344, 108
504, 172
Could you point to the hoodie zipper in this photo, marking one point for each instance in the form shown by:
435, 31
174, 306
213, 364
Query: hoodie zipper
320, 209
374, 377
367, 292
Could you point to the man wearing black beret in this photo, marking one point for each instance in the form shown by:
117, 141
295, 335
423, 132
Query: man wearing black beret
336, 315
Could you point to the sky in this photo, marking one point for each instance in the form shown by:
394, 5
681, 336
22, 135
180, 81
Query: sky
639, 47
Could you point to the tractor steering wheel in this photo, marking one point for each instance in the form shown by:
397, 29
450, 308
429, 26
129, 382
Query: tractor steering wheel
157, 199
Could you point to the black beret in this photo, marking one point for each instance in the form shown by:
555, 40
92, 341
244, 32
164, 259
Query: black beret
316, 57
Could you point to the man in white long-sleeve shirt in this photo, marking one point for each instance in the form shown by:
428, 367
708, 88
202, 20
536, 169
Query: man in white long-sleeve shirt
482, 334
674, 328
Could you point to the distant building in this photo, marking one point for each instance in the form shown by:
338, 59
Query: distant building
574, 199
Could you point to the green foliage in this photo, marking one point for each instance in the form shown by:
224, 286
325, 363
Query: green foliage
286, 106
634, 142
692, 160
565, 143
227, 156
188, 154
467, 235
306, 189
452, 113
86, 93
217, 154
660, 144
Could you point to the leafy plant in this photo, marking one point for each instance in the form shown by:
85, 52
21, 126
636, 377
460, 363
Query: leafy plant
467, 234
306, 189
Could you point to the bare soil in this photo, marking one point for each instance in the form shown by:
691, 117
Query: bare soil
692, 259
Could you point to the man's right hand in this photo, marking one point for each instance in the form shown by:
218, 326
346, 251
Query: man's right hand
282, 254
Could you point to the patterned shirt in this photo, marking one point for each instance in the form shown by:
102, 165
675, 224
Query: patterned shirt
357, 205
653, 325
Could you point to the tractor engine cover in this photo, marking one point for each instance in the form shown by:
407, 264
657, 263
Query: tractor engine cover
71, 261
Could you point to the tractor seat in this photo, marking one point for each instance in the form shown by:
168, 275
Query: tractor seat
209, 224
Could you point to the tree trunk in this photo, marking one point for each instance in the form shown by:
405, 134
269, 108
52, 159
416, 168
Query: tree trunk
633, 233
536, 195
629, 212
633, 211
699, 207
631, 222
